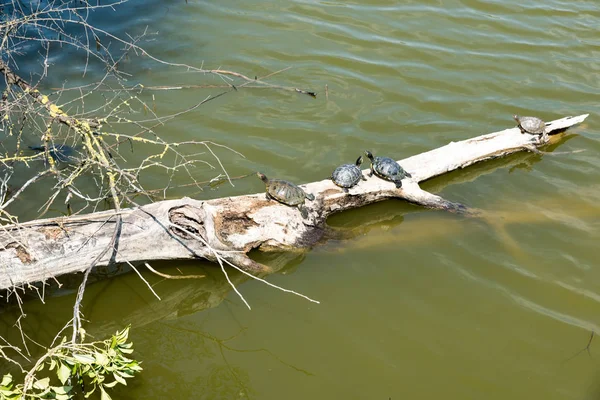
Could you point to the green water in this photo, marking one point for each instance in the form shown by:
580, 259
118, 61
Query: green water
418, 304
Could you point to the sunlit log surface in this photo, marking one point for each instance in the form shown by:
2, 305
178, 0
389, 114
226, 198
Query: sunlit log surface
225, 229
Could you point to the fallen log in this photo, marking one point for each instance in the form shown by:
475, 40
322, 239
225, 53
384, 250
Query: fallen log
224, 230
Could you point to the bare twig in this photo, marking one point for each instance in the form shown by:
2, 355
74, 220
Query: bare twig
221, 260
144, 280
586, 349
167, 276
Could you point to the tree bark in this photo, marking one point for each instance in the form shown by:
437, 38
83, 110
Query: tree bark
224, 230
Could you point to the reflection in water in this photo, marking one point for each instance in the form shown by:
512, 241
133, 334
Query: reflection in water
209, 356
116, 302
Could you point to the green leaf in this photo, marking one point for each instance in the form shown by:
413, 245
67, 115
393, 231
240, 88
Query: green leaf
42, 384
62, 389
52, 364
13, 395
119, 379
124, 374
69, 361
84, 358
124, 360
6, 380
5, 393
103, 394
88, 394
63, 373
111, 384
122, 336
101, 359
63, 397
133, 364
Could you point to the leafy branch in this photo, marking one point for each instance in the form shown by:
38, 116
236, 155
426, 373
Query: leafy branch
99, 365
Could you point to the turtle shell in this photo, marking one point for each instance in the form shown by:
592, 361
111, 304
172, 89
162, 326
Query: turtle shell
286, 192
346, 175
387, 168
531, 125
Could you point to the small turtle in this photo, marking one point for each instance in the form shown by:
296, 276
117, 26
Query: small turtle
388, 169
348, 175
286, 193
532, 125
59, 152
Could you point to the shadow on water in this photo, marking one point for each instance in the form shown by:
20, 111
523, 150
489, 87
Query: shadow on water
116, 296
114, 303
445, 225
377, 219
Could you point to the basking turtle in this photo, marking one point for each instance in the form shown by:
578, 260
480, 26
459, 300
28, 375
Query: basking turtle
286, 193
532, 125
387, 168
348, 175
59, 152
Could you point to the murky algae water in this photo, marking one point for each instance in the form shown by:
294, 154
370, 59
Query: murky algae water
414, 304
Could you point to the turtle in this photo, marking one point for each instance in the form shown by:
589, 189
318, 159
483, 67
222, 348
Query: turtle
286, 193
59, 152
348, 175
387, 168
532, 125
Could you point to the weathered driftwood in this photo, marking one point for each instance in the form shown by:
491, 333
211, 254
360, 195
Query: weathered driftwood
225, 229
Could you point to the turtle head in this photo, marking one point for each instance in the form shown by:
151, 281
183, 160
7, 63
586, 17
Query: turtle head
262, 177
369, 154
516, 118
358, 161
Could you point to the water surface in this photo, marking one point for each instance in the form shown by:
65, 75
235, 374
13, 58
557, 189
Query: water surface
418, 304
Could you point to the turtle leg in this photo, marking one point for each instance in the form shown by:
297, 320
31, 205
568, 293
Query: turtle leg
268, 196
371, 174
398, 183
407, 174
345, 190
303, 211
363, 177
310, 196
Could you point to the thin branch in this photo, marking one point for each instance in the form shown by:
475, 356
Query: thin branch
167, 276
144, 280
220, 260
